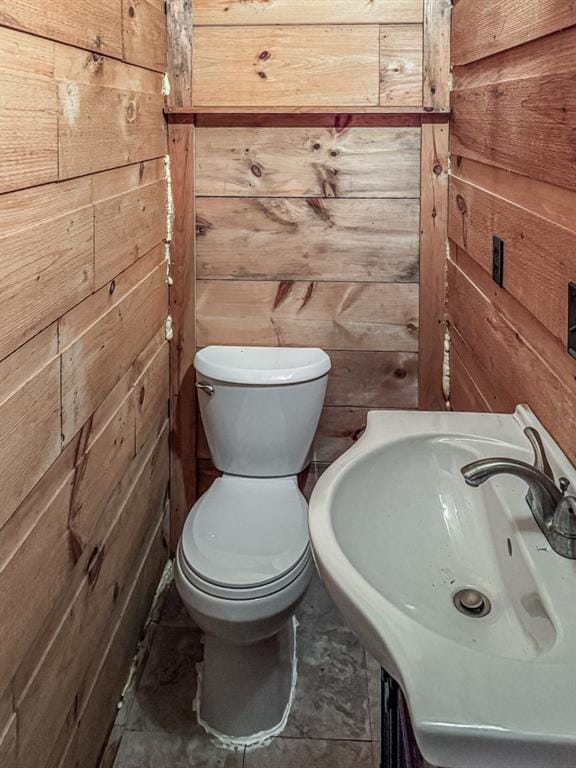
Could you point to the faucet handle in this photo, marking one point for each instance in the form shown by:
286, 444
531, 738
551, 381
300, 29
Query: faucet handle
540, 459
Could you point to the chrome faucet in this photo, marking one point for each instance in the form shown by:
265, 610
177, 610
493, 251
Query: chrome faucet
553, 510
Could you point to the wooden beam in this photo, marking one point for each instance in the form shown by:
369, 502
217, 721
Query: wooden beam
179, 29
182, 348
433, 245
436, 86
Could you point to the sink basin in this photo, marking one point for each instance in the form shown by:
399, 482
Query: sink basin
397, 534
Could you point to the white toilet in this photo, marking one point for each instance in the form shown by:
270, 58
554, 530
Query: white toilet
244, 559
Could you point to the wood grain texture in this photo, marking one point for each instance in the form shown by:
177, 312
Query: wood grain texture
465, 394
101, 127
482, 27
542, 199
433, 247
363, 379
144, 33
126, 227
312, 239
33, 409
85, 24
30, 104
183, 347
285, 66
99, 356
436, 32
490, 124
507, 359
301, 162
401, 65
44, 271
179, 31
330, 315
537, 251
238, 12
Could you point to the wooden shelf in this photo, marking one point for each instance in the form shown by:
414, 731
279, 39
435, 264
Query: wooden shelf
349, 110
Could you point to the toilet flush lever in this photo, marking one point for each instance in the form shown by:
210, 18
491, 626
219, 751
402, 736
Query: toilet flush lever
208, 388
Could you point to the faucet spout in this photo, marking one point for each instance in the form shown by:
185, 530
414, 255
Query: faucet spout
541, 485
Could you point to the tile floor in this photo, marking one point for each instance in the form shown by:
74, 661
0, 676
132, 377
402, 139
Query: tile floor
334, 722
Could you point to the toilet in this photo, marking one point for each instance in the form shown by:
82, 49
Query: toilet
244, 560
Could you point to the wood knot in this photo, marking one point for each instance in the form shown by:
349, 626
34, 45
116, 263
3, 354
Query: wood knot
131, 12
256, 170
142, 396
131, 112
316, 146
334, 153
461, 203
94, 565
400, 373
262, 75
265, 55
437, 169
112, 287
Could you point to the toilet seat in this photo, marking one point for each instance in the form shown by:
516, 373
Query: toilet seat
246, 537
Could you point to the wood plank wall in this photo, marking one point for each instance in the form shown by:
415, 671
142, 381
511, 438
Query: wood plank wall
310, 237
297, 54
83, 365
309, 229
514, 176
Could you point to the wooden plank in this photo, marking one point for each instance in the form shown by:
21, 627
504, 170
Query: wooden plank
338, 430
537, 252
96, 605
22, 54
8, 743
28, 125
548, 200
95, 718
98, 358
433, 245
285, 66
111, 183
34, 409
237, 12
144, 33
152, 396
548, 347
312, 239
401, 65
525, 126
82, 67
545, 56
308, 162
373, 379
183, 345
437, 25
509, 359
41, 204
179, 31
481, 28
464, 392
100, 127
126, 227
85, 24
331, 315
44, 271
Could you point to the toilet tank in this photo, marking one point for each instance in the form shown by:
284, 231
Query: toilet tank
260, 406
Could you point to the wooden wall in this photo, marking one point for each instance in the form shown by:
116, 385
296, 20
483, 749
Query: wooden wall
514, 175
297, 54
83, 365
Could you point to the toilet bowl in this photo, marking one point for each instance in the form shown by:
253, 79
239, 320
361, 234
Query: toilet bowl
244, 561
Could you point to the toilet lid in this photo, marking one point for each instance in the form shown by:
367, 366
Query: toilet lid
246, 532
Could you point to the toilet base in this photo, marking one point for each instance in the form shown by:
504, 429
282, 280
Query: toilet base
245, 692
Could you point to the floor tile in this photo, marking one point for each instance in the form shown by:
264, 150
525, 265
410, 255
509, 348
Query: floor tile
332, 695
162, 750
165, 695
311, 753
173, 613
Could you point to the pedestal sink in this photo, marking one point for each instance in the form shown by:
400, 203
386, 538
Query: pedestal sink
397, 534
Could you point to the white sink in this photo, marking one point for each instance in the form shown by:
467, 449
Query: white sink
396, 533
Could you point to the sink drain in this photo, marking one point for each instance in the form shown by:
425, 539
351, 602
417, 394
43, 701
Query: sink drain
473, 603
